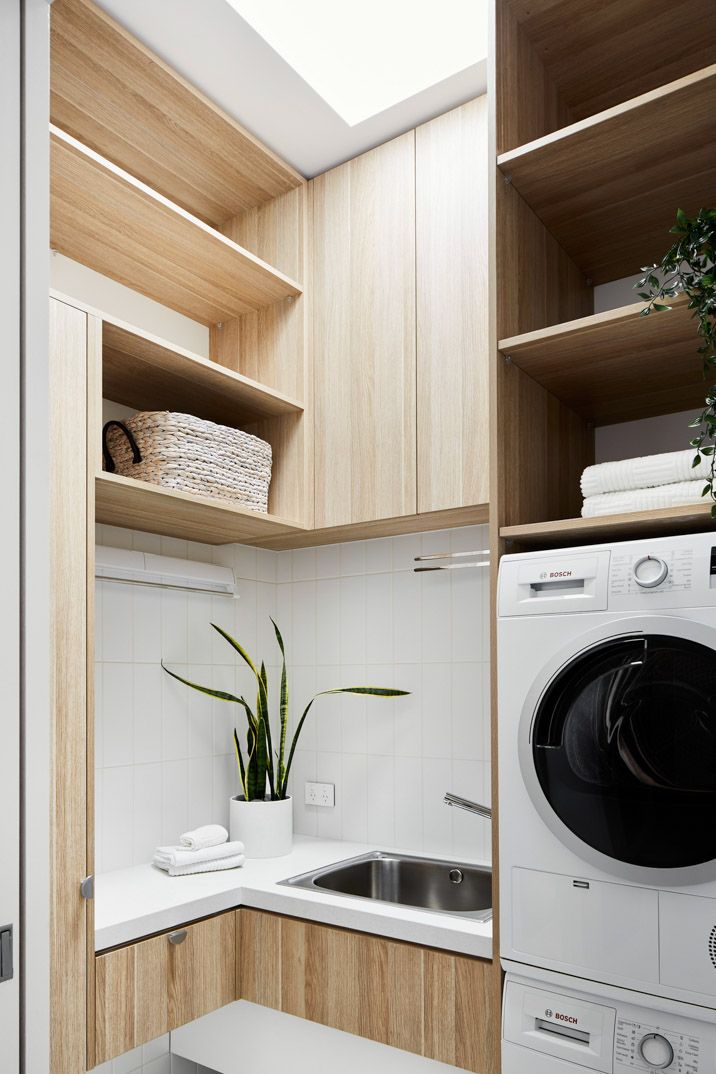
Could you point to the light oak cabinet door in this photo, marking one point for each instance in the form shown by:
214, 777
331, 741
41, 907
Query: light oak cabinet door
364, 336
148, 988
452, 309
429, 1002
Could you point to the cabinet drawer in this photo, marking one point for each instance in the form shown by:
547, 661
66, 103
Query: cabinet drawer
147, 988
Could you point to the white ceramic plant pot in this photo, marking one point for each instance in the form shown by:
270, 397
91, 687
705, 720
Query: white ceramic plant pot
265, 828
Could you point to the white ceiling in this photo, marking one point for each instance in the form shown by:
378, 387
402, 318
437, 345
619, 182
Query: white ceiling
213, 47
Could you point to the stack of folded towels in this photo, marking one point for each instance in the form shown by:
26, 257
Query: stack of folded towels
654, 481
202, 851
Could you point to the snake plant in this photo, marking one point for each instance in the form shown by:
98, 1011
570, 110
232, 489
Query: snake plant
262, 764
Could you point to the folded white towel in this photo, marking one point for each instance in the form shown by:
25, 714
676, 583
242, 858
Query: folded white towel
649, 471
617, 503
178, 856
209, 835
234, 862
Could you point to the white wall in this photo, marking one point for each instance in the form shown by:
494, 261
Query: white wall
353, 614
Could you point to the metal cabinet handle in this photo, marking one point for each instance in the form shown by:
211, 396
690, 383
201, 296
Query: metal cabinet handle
178, 937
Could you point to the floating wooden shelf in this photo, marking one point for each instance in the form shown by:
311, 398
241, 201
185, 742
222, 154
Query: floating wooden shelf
117, 97
565, 531
108, 220
608, 187
143, 371
617, 366
120, 501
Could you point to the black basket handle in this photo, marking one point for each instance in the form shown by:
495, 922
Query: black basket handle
109, 463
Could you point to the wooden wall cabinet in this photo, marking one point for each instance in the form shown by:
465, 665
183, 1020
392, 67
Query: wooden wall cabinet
400, 321
148, 988
425, 1001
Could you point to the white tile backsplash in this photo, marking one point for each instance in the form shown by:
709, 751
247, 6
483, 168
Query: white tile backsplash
353, 614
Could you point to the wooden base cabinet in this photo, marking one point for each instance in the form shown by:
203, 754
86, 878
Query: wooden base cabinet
421, 1000
148, 988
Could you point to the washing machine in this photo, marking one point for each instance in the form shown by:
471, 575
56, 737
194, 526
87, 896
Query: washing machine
607, 764
551, 1025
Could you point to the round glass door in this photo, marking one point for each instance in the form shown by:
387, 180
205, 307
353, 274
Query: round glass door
624, 747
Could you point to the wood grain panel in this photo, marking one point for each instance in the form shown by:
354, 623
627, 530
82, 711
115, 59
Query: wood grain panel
115, 95
418, 999
691, 518
166, 253
202, 970
635, 164
364, 336
68, 602
115, 1004
151, 989
452, 309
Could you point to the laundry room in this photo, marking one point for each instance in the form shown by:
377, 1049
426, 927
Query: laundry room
359, 622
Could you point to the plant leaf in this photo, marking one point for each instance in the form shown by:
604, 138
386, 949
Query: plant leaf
221, 695
283, 711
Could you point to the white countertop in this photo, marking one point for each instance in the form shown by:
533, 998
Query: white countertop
136, 902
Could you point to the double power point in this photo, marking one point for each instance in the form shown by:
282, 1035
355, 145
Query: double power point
320, 794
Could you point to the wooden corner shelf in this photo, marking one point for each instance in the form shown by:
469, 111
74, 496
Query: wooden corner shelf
617, 366
608, 187
143, 371
625, 527
113, 94
110, 221
137, 505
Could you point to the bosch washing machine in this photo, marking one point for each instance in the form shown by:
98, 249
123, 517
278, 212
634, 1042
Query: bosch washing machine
607, 779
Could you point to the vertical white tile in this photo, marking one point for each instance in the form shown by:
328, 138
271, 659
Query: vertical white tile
407, 711
381, 801
174, 546
405, 548
379, 619
117, 821
352, 625
99, 820
266, 561
98, 715
467, 715
147, 626
434, 542
437, 826
147, 830
116, 537
328, 564
467, 614
303, 769
379, 555
244, 561
470, 833
470, 539
175, 716
146, 542
199, 631
409, 803
245, 617
117, 622
380, 711
226, 784
201, 791
407, 617
301, 688
304, 623
327, 621
175, 801
117, 715
351, 709
303, 564
437, 710
283, 566
147, 713
352, 557
174, 626
436, 633
266, 648
353, 791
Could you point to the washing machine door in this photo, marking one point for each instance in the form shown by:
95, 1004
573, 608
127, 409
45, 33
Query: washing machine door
623, 744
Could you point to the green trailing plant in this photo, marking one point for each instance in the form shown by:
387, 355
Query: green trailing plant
688, 267
261, 764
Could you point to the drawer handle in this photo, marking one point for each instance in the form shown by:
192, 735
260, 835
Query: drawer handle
178, 937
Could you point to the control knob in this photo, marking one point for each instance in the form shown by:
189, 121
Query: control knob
650, 571
656, 1051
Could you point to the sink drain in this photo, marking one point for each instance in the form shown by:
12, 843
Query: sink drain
455, 876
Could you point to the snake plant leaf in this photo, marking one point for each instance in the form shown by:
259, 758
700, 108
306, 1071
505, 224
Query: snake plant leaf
372, 691
265, 746
284, 785
283, 709
240, 764
220, 694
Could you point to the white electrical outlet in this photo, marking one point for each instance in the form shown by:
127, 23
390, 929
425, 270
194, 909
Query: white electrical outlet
320, 794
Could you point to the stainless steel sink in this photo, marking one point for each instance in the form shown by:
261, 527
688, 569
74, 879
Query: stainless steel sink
442, 886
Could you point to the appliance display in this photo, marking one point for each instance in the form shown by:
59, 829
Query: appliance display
607, 763
551, 1024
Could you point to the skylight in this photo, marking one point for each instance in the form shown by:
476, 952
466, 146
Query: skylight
364, 57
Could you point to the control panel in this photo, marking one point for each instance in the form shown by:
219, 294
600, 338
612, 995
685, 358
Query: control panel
668, 570
646, 1047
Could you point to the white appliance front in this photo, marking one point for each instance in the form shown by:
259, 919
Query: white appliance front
552, 1023
607, 764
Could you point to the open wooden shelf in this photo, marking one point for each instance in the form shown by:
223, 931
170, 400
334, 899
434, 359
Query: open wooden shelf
145, 372
117, 97
137, 505
564, 531
617, 366
608, 187
108, 220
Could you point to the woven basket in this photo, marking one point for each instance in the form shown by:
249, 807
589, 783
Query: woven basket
179, 451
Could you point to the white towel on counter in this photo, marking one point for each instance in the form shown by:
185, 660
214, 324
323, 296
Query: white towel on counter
676, 494
177, 857
233, 862
209, 835
649, 471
